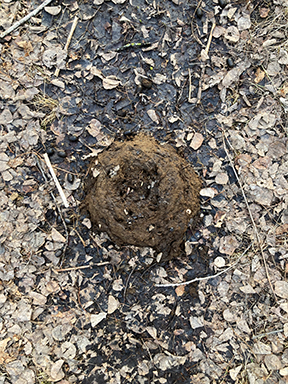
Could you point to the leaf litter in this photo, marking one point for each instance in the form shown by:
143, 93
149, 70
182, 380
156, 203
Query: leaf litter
74, 306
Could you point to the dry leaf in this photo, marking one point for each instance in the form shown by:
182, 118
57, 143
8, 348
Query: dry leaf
96, 319
53, 10
263, 12
56, 372
110, 82
259, 75
232, 34
56, 236
152, 114
196, 141
180, 290
113, 304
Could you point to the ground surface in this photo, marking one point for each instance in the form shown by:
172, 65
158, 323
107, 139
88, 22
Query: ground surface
74, 307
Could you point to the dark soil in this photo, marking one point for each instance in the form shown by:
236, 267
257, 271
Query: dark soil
143, 193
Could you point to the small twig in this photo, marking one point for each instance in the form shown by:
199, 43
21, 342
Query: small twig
73, 27
206, 277
266, 333
60, 190
190, 100
25, 18
199, 93
249, 211
58, 208
206, 50
204, 57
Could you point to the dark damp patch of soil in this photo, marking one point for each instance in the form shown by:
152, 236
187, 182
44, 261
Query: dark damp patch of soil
143, 193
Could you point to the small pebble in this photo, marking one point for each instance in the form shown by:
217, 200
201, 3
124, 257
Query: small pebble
61, 153
58, 253
230, 62
67, 220
146, 83
121, 113
59, 220
199, 13
70, 178
50, 151
223, 3
72, 138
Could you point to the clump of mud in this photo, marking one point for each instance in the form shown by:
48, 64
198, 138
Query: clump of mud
143, 193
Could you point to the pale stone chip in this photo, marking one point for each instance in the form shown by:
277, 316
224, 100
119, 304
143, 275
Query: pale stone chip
113, 304
260, 348
56, 372
281, 289
234, 372
98, 2
247, 289
96, 319
197, 141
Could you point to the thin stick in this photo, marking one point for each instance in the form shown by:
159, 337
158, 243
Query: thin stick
37, 158
199, 93
267, 333
209, 40
249, 211
81, 267
190, 87
69, 38
60, 190
206, 277
204, 57
27, 17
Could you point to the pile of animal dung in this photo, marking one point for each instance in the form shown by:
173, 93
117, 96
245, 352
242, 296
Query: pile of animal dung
143, 193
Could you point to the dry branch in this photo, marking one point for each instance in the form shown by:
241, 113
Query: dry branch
25, 18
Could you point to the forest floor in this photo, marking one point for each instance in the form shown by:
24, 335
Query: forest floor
210, 80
